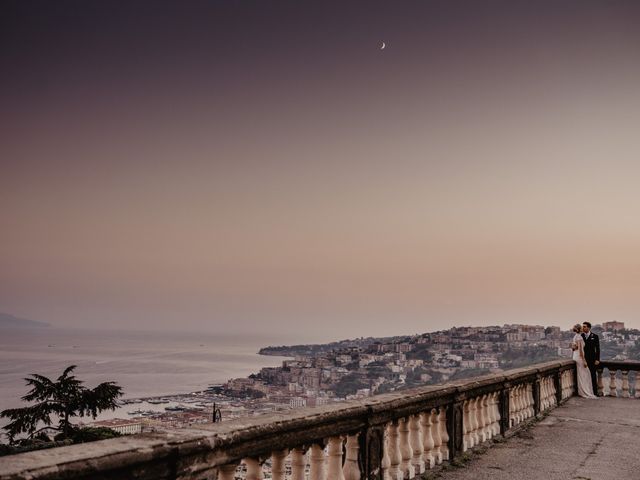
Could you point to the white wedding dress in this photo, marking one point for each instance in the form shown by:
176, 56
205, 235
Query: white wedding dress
585, 388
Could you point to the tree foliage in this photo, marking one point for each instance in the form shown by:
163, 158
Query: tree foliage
62, 399
349, 384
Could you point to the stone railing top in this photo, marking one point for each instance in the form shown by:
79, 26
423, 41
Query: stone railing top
222, 443
620, 365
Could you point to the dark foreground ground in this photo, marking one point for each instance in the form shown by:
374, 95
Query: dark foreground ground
583, 439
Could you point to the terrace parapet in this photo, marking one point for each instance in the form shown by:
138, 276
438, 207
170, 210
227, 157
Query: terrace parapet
394, 436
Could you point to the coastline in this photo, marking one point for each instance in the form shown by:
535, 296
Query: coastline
145, 364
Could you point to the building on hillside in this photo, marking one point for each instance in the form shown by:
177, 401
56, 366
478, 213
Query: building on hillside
297, 402
123, 426
553, 332
514, 336
565, 352
468, 364
612, 326
403, 347
484, 360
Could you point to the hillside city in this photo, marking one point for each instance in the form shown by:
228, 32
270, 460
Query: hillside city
354, 369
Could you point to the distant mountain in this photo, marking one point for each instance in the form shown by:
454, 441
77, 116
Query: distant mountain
7, 320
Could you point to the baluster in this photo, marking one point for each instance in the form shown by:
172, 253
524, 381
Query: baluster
543, 394
298, 463
466, 442
254, 469
532, 410
550, 390
569, 383
486, 408
405, 449
637, 384
427, 440
492, 414
417, 459
572, 382
351, 468
385, 462
444, 435
227, 472
496, 414
394, 452
625, 384
512, 408
471, 423
334, 461
482, 434
599, 374
316, 459
613, 392
277, 464
547, 392
481, 417
488, 419
473, 416
517, 404
437, 437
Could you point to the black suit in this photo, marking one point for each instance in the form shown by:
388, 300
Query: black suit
591, 355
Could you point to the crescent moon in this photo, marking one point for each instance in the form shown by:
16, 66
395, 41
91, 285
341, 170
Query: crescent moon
383, 45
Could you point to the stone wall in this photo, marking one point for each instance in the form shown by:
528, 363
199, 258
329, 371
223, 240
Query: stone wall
397, 435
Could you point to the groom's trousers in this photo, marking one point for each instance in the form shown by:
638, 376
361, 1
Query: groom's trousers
594, 380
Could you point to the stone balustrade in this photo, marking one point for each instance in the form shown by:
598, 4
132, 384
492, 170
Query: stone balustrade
615, 382
393, 436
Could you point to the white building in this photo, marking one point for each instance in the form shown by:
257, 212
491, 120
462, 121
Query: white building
121, 425
297, 402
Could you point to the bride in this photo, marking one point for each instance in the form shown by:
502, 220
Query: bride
585, 388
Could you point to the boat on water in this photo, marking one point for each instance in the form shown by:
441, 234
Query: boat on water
143, 413
158, 401
176, 408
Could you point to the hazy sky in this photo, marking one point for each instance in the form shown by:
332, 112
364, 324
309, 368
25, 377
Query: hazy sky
265, 166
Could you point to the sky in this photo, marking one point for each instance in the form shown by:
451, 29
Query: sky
264, 166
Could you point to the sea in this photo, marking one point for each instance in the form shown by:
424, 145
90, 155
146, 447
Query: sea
145, 364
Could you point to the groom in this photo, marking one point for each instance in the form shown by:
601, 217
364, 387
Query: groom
591, 353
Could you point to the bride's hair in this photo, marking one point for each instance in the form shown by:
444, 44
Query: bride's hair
577, 328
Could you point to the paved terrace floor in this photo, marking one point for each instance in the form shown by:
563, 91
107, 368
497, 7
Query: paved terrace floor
582, 439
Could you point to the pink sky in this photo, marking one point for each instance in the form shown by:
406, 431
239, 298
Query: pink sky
168, 171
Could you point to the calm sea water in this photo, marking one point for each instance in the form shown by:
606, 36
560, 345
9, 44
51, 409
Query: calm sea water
143, 363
